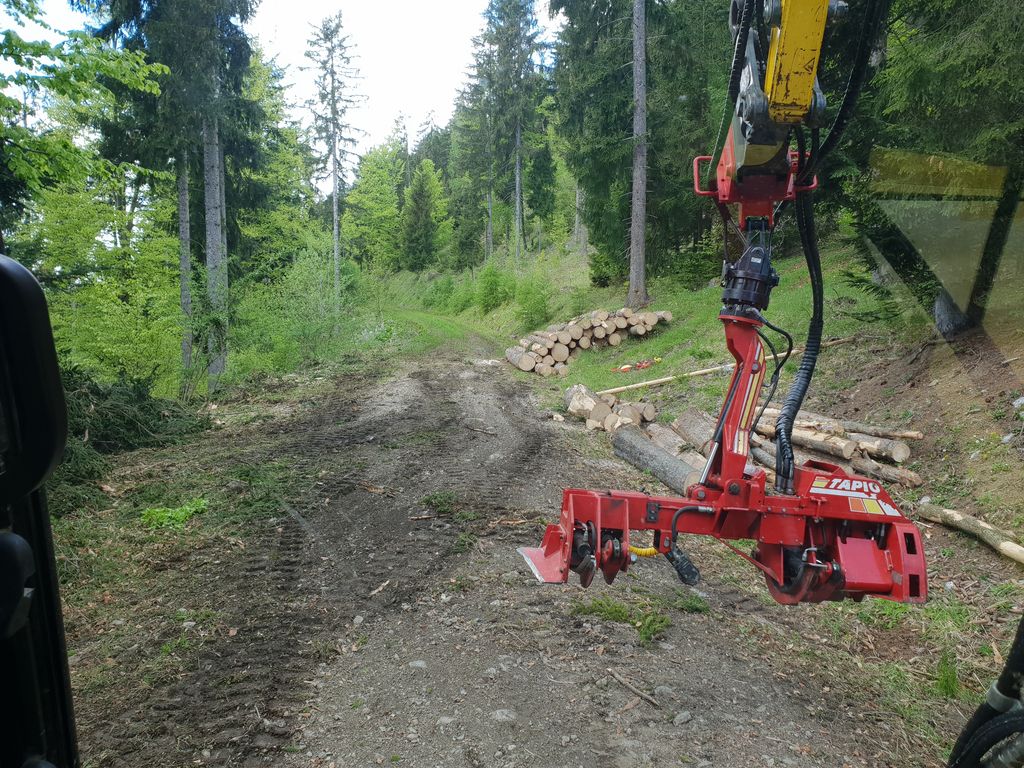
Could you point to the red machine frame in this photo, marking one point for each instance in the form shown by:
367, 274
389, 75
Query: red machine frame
839, 536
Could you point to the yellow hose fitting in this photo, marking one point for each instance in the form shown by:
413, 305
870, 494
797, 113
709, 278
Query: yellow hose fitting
643, 551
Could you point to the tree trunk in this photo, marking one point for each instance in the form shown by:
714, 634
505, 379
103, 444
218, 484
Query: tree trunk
637, 296
216, 256
337, 229
489, 240
517, 225
185, 273
1001, 541
579, 228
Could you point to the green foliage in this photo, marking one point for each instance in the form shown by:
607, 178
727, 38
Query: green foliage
462, 298
493, 288
426, 226
688, 43
691, 602
371, 225
648, 622
174, 518
439, 294
533, 308
293, 321
107, 418
947, 680
440, 502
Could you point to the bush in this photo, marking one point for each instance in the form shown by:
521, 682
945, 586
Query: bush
494, 288
107, 418
439, 293
463, 297
293, 321
533, 304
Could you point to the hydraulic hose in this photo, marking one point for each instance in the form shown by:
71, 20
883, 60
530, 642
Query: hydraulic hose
1004, 693
798, 390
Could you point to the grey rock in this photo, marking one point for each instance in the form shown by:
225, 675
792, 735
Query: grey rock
682, 718
418, 664
504, 715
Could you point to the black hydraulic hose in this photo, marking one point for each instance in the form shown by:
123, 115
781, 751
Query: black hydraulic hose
877, 12
802, 381
739, 54
1007, 687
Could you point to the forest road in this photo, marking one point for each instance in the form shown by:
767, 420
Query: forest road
385, 617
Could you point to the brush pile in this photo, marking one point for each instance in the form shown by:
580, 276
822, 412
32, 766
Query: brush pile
548, 352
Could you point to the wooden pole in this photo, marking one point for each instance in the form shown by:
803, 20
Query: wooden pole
707, 371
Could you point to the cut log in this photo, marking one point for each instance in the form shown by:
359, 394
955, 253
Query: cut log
560, 352
520, 358
648, 411
580, 401
627, 411
650, 318
544, 340
620, 322
1000, 540
548, 360
584, 342
599, 315
594, 424
885, 472
544, 370
614, 339
816, 441
881, 447
634, 446
575, 332
600, 411
599, 332
561, 370
829, 424
585, 323
666, 438
625, 312
696, 428
638, 330
612, 422
612, 400
564, 337
666, 316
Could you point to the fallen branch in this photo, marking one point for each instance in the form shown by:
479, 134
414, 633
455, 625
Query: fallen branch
1001, 541
646, 697
707, 371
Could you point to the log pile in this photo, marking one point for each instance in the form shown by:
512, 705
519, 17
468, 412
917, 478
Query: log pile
548, 352
605, 411
859, 448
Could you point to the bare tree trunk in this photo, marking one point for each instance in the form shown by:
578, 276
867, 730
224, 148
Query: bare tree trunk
518, 223
580, 233
337, 232
185, 275
489, 238
637, 296
216, 256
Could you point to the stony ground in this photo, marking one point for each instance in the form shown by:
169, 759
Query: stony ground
379, 613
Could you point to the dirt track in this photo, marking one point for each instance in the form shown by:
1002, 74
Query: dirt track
361, 636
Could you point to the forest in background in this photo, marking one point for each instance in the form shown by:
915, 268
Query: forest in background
158, 184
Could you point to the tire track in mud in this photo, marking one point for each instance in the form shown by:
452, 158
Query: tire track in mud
290, 596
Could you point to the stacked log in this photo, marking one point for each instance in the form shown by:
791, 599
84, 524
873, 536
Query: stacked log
865, 452
548, 352
606, 412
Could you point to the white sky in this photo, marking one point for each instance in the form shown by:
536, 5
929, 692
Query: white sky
413, 55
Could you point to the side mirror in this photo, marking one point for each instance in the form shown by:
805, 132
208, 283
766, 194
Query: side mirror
33, 416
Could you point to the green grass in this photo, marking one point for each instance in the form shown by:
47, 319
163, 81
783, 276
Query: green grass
173, 517
646, 619
440, 502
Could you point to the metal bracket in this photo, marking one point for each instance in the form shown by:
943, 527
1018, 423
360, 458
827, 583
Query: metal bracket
653, 508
